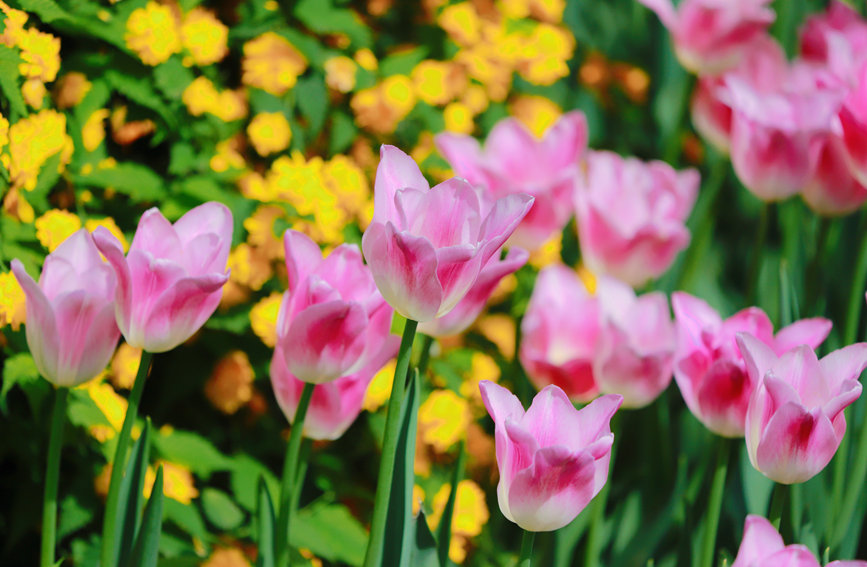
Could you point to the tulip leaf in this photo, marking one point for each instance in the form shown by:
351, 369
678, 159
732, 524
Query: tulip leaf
312, 97
330, 532
130, 498
221, 510
444, 531
399, 525
265, 526
193, 451
21, 370
423, 552
146, 550
135, 180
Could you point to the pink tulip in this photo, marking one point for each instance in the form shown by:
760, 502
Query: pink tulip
852, 127
711, 36
172, 279
332, 321
334, 405
559, 334
426, 247
709, 368
795, 420
553, 459
468, 309
832, 189
631, 215
515, 161
634, 355
763, 546
836, 38
71, 329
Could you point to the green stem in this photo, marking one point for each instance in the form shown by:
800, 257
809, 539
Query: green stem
109, 557
527, 549
389, 448
444, 531
756, 261
778, 503
814, 267
593, 549
424, 356
714, 504
289, 483
52, 473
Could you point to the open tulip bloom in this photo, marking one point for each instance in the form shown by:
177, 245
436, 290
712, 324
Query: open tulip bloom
795, 420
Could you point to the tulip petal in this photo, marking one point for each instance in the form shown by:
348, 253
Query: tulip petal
447, 215
464, 155
760, 540
111, 248
810, 332
795, 445
506, 214
303, 256
156, 236
396, 170
758, 356
43, 338
844, 364
693, 315
565, 141
500, 402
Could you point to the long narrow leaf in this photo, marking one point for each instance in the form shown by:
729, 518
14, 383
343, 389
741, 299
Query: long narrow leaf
423, 552
265, 517
131, 497
147, 545
444, 531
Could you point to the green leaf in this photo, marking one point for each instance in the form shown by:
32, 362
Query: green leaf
399, 523
193, 451
147, 545
135, 180
220, 510
330, 532
9, 79
343, 133
403, 62
73, 516
172, 78
245, 468
312, 99
138, 89
186, 517
423, 552
322, 17
265, 526
47, 10
444, 532
21, 370
130, 497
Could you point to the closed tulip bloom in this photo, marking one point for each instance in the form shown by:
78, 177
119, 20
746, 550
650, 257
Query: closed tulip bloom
560, 332
634, 355
334, 405
709, 368
631, 215
470, 307
514, 161
332, 321
832, 189
71, 329
553, 459
172, 279
795, 420
426, 246
711, 36
851, 125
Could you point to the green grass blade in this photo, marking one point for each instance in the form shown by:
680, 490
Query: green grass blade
265, 526
444, 531
131, 497
147, 545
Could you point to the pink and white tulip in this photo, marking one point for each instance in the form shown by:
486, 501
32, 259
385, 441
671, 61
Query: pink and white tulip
172, 279
851, 125
836, 38
634, 355
711, 36
631, 215
332, 321
515, 161
470, 307
709, 368
426, 246
832, 189
71, 329
559, 334
553, 459
795, 420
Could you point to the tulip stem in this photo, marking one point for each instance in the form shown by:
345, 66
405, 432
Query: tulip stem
714, 504
52, 473
756, 261
592, 551
527, 549
373, 556
778, 502
854, 487
291, 482
109, 551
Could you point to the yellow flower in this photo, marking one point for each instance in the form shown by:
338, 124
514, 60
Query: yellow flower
16, 206
366, 59
545, 54
93, 131
227, 557
178, 482
537, 113
124, 366
260, 230
231, 383
340, 73
588, 277
272, 64
458, 118
443, 419
417, 498
204, 37
269, 133
55, 226
32, 141
40, 55
33, 91
231, 105
71, 89
227, 156
13, 305
263, 318
14, 25
108, 223
438, 82
252, 185
548, 253
380, 387
202, 96
112, 405
461, 22
152, 33
499, 328
468, 518
475, 98
4, 132
345, 179
550, 11
380, 108
483, 367
249, 266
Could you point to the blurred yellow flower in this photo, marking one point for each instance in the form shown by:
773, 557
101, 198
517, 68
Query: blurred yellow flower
366, 59
537, 113
112, 405
178, 483
545, 53
202, 96
231, 383
14, 25
227, 557
15, 205
227, 156
380, 108
32, 141
461, 23
548, 253
204, 37
263, 318
458, 118
40, 55
13, 308
468, 518
152, 33
340, 73
438, 82
269, 133
124, 366
93, 131
55, 226
71, 89
475, 98
483, 367
260, 230
272, 64
108, 223
443, 419
248, 266
380, 387
4, 132
33, 91
550, 11
345, 179
499, 328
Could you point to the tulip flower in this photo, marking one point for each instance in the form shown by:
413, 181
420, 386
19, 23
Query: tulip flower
835, 38
851, 125
468, 309
426, 246
553, 459
711, 36
171, 280
631, 215
332, 321
709, 369
559, 334
71, 328
634, 355
762, 545
334, 405
515, 161
795, 420
832, 189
